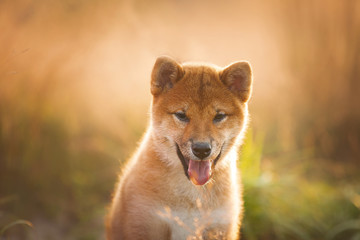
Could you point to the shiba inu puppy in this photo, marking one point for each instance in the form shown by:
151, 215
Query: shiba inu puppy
183, 181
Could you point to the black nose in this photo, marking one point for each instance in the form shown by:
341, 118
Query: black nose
201, 149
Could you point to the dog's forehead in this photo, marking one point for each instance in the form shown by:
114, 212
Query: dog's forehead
200, 82
201, 74
200, 89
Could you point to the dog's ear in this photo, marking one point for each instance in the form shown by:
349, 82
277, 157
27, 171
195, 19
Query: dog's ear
238, 78
165, 74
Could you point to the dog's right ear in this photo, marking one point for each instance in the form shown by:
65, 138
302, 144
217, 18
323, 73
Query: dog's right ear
238, 78
165, 74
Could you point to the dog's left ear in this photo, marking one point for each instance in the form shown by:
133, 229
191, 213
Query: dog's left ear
165, 74
238, 78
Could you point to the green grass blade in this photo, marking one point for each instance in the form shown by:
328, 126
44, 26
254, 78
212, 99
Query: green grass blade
17, 222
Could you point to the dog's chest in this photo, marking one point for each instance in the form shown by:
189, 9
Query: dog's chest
191, 224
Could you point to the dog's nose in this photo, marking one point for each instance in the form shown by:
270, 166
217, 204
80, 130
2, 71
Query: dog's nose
201, 149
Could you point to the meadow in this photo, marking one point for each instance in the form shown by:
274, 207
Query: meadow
74, 102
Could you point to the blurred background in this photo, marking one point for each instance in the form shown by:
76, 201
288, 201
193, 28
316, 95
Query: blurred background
74, 102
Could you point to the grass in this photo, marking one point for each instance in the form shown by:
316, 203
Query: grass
281, 202
13, 224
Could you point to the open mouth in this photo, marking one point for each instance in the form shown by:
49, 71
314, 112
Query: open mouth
198, 172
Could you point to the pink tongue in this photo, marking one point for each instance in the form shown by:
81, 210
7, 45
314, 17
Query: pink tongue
199, 171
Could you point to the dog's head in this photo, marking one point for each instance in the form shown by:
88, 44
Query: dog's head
198, 113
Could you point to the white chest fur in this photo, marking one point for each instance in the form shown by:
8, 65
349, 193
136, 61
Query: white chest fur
190, 224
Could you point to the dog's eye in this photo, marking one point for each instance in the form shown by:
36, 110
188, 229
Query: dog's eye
219, 117
181, 116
